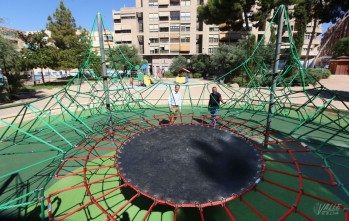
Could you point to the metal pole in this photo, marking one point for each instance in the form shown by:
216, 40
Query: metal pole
104, 67
275, 74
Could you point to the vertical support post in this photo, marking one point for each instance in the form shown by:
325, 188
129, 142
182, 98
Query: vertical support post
104, 68
275, 74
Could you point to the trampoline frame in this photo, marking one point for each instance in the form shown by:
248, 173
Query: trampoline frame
189, 119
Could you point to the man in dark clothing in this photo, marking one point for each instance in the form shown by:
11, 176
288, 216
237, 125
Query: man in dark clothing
213, 104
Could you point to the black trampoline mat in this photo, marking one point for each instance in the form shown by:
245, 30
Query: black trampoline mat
189, 163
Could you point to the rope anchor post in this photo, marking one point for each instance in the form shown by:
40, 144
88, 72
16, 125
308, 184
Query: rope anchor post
104, 71
275, 75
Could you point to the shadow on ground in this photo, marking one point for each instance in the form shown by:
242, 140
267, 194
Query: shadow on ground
341, 95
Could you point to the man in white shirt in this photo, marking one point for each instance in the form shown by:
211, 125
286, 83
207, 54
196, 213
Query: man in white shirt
174, 103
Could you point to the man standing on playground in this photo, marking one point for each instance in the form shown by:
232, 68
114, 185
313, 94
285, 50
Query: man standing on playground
213, 105
174, 103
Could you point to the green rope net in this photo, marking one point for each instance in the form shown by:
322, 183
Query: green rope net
58, 153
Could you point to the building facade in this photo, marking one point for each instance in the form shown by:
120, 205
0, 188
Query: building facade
108, 40
162, 29
333, 34
12, 36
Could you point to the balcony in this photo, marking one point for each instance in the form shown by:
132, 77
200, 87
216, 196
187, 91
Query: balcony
164, 40
316, 41
184, 48
164, 18
164, 29
175, 2
164, 2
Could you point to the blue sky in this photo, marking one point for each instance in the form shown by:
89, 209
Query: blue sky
31, 15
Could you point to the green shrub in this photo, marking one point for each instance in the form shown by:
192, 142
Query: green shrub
168, 74
319, 73
240, 80
197, 75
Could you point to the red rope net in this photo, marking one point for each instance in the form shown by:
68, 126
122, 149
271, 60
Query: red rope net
286, 180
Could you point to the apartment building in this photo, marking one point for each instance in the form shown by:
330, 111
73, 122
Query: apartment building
108, 40
12, 36
333, 34
163, 29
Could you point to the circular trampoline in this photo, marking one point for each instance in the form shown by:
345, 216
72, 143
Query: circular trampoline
146, 169
189, 165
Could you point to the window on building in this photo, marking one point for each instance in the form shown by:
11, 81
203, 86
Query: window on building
140, 27
185, 16
211, 50
154, 17
213, 38
127, 17
174, 40
175, 15
185, 38
153, 27
122, 31
153, 3
164, 49
153, 40
108, 38
185, 2
117, 20
213, 28
174, 2
163, 18
174, 28
154, 50
123, 42
307, 36
164, 29
185, 27
164, 40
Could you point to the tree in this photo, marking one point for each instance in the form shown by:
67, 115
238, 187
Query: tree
8, 62
232, 14
229, 56
124, 55
67, 38
201, 62
341, 47
38, 54
178, 63
8, 55
302, 20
